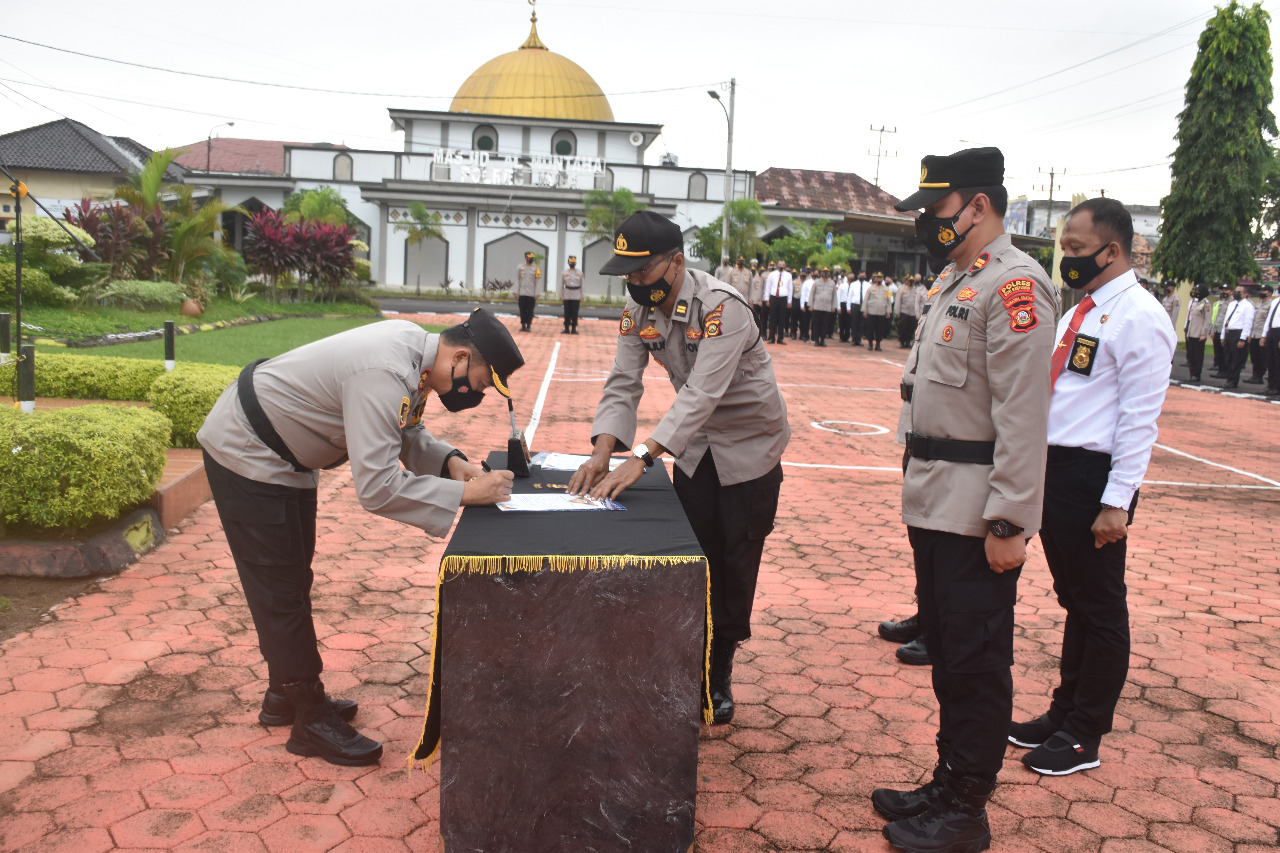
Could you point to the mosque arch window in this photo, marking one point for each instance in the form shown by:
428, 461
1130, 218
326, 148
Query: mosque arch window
342, 167
485, 138
564, 143
697, 187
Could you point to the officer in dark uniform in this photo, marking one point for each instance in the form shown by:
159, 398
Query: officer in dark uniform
359, 395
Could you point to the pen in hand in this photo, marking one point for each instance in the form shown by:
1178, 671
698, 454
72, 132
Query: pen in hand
485, 467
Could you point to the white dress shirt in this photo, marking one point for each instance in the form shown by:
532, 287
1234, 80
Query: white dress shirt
1239, 318
806, 293
856, 289
778, 284
1114, 409
842, 294
1273, 319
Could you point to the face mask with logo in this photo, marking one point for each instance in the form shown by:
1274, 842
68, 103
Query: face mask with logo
1078, 272
651, 295
938, 233
461, 396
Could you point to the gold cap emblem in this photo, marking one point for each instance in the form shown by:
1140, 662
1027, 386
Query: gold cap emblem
621, 244
924, 173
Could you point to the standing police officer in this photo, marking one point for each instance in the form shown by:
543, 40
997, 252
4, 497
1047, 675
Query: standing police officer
974, 484
361, 393
726, 429
740, 277
528, 282
778, 288
569, 292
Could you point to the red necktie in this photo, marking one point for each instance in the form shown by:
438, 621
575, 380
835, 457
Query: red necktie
1064, 346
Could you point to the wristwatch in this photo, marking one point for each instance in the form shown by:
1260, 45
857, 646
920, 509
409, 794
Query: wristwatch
641, 452
1002, 529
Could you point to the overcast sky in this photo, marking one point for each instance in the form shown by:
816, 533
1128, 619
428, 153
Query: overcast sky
1092, 87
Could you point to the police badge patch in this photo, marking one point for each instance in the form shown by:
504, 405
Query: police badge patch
405, 405
711, 323
1083, 354
966, 294
948, 333
626, 324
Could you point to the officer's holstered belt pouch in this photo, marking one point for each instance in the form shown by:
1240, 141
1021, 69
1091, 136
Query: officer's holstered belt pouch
258, 419
905, 391
950, 449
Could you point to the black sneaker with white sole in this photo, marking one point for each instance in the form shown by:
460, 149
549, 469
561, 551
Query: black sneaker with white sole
1061, 755
1031, 734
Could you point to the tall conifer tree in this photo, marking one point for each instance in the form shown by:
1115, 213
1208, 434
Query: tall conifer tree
1220, 164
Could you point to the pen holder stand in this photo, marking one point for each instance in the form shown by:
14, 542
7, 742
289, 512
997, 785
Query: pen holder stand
518, 455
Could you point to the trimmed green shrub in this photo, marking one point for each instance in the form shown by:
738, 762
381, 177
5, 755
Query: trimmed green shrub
71, 467
37, 287
83, 377
84, 276
186, 396
143, 295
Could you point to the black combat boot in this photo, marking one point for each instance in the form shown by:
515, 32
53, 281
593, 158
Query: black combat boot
317, 730
956, 823
722, 679
896, 805
277, 710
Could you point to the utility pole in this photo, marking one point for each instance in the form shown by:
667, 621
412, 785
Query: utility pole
728, 162
880, 152
1048, 220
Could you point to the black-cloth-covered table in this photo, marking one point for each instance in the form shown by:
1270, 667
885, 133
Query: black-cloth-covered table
568, 658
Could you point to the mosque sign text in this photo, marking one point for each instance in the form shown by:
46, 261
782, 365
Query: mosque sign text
460, 165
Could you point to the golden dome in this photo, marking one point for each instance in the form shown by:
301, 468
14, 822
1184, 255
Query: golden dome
535, 83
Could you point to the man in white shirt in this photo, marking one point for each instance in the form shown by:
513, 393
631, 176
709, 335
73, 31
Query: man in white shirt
1258, 337
777, 289
1236, 329
842, 303
1271, 347
857, 290
1110, 371
806, 306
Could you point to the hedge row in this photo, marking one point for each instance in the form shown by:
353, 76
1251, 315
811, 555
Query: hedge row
187, 395
72, 467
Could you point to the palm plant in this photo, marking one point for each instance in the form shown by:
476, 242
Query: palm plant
606, 210
423, 227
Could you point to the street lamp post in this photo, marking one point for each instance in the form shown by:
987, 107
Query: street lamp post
208, 142
728, 162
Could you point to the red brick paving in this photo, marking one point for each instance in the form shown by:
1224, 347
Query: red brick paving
128, 718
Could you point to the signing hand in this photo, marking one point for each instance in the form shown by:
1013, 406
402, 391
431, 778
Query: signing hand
588, 474
461, 469
1111, 525
1005, 554
488, 489
616, 481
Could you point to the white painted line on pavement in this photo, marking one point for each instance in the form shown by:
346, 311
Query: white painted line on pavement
536, 416
828, 426
1219, 465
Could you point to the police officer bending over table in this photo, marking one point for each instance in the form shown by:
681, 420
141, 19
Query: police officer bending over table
361, 393
727, 428
973, 486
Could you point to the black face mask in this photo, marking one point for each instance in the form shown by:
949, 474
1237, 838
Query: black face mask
1237, 296
651, 295
461, 396
938, 233
1078, 272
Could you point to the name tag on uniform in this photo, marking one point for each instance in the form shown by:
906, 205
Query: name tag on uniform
1083, 353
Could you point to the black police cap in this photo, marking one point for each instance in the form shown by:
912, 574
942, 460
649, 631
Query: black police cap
639, 239
972, 167
496, 346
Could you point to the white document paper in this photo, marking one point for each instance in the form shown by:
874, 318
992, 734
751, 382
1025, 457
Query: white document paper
557, 503
572, 461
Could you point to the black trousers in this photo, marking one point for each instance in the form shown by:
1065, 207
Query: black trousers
845, 324
1195, 356
527, 304
272, 534
1257, 358
906, 328
806, 320
1272, 349
793, 316
761, 310
877, 329
966, 617
1234, 356
1219, 354
777, 318
1089, 583
731, 523
571, 314
855, 323
821, 327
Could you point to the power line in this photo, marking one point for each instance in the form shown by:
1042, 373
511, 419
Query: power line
1125, 169
319, 90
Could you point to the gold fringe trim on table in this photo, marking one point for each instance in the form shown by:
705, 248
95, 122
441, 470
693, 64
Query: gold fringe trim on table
556, 563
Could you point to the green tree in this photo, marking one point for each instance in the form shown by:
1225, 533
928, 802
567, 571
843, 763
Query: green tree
145, 188
195, 232
323, 204
1268, 233
606, 210
1220, 163
746, 221
806, 245
425, 226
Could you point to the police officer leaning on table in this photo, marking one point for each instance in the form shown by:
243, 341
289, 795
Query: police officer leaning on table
726, 429
361, 393
974, 483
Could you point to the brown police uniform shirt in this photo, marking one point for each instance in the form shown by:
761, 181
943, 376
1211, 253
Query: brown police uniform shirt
740, 280
727, 396
1199, 319
570, 286
352, 393
527, 280
980, 371
878, 301
755, 294
823, 297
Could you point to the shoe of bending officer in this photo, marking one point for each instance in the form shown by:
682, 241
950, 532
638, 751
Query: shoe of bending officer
901, 632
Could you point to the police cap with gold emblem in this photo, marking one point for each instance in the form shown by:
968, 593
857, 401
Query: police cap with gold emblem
639, 239
939, 175
496, 346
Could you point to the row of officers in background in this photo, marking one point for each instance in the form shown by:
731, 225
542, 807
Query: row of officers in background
815, 305
1242, 329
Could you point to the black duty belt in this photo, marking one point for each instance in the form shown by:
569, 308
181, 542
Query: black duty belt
905, 390
262, 425
950, 450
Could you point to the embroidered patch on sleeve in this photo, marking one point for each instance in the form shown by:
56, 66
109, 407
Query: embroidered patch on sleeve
405, 404
711, 323
966, 295
1016, 285
1023, 319
626, 324
415, 417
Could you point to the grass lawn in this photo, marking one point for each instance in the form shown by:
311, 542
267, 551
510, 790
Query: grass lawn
90, 321
236, 346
